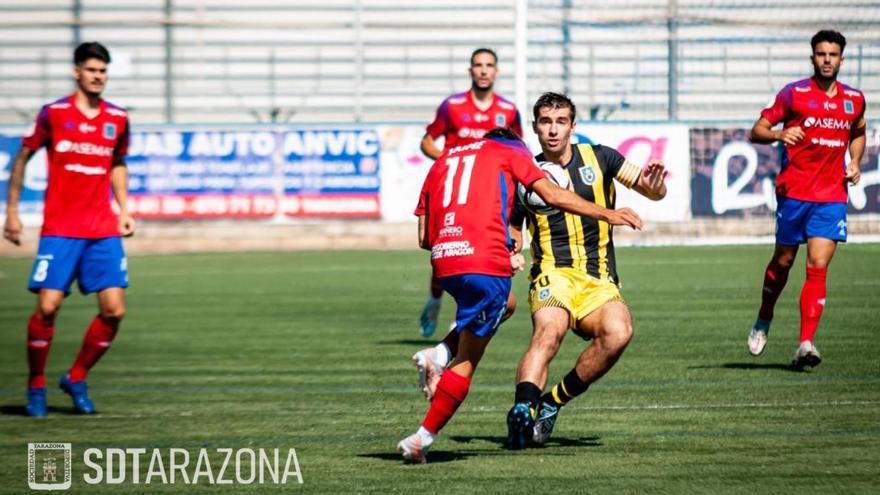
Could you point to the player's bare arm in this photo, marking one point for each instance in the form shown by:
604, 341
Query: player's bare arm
564, 199
856, 151
652, 181
12, 227
423, 234
762, 133
429, 147
119, 185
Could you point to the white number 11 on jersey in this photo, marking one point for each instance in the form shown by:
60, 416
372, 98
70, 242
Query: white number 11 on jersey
464, 184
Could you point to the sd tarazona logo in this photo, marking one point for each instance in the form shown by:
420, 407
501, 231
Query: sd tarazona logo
49, 466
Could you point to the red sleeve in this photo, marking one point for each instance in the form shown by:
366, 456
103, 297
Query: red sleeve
522, 165
516, 126
864, 106
438, 127
776, 112
422, 207
122, 143
40, 133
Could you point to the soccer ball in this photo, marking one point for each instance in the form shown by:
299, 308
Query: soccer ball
532, 201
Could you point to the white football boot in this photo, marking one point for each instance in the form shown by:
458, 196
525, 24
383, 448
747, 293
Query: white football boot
805, 356
412, 450
430, 370
757, 341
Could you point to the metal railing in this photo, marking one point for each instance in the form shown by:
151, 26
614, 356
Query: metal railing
194, 61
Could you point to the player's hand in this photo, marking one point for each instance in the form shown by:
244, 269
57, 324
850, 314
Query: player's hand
517, 238
12, 229
625, 216
791, 135
517, 262
853, 173
126, 225
654, 174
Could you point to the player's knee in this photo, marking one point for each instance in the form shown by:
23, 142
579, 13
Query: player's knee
818, 263
784, 260
48, 309
547, 339
113, 313
617, 334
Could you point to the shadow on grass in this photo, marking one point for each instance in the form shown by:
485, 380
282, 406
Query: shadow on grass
748, 366
19, 410
433, 456
554, 442
418, 342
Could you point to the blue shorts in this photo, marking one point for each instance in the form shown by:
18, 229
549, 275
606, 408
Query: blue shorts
481, 301
797, 221
96, 264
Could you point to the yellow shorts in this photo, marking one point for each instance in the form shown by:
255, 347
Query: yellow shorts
572, 290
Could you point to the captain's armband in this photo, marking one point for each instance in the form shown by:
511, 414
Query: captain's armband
628, 174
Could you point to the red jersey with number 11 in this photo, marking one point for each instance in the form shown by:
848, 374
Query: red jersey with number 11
467, 198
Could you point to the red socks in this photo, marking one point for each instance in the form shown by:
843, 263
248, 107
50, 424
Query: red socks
39, 340
95, 343
812, 302
451, 391
774, 281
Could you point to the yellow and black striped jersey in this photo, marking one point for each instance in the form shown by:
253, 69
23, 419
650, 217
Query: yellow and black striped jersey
565, 240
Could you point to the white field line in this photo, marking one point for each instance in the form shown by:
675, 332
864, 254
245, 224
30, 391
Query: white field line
492, 409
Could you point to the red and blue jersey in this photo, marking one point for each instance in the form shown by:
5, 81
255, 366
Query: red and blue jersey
467, 198
80, 152
814, 169
461, 121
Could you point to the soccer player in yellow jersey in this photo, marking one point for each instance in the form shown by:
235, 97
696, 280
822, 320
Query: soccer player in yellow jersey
574, 283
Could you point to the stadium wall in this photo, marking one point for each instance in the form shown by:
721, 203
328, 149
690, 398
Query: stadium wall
317, 187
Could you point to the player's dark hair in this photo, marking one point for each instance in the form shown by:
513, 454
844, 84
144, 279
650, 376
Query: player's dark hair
830, 36
502, 133
91, 49
554, 101
483, 50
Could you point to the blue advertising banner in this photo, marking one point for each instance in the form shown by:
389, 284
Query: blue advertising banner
34, 185
255, 173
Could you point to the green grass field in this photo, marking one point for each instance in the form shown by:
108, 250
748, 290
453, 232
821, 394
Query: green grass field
311, 351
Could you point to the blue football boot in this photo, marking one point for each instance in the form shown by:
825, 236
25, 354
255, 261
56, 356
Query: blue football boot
428, 318
79, 392
36, 402
547, 414
520, 426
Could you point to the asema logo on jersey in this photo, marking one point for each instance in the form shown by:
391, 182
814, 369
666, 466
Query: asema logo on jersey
65, 146
827, 123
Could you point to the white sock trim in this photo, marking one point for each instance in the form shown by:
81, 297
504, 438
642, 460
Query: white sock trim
426, 436
443, 354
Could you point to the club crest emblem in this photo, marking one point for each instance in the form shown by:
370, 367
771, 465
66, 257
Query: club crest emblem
543, 294
500, 121
848, 106
109, 131
587, 175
